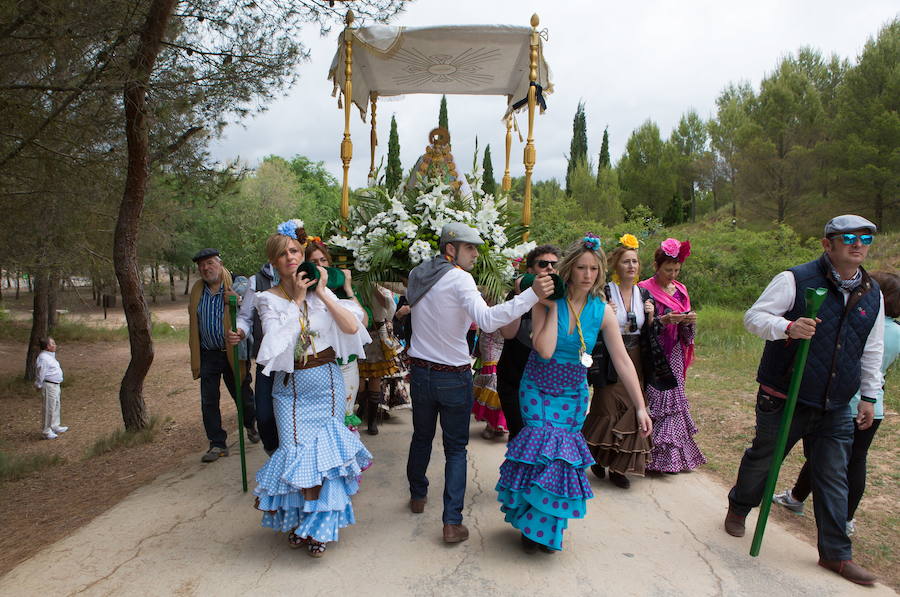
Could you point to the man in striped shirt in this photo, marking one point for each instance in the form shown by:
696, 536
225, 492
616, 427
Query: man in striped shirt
210, 359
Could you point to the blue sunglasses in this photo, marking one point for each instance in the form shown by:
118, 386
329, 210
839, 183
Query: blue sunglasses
850, 239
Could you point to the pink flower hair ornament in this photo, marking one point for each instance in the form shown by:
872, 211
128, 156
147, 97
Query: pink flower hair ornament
676, 249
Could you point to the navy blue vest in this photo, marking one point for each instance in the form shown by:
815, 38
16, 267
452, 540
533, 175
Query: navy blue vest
832, 374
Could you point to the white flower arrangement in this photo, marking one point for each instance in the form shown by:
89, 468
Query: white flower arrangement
391, 235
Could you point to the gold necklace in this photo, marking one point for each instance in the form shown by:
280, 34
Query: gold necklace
586, 359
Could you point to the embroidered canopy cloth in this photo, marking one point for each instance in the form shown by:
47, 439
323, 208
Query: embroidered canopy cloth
454, 59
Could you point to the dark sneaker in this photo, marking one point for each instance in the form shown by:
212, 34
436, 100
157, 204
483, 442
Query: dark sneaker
214, 453
252, 435
619, 480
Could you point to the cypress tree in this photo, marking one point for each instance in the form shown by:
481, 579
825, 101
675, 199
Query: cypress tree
442, 115
578, 146
488, 185
394, 172
603, 158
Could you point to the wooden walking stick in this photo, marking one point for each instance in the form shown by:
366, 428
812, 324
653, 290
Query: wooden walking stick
814, 299
232, 305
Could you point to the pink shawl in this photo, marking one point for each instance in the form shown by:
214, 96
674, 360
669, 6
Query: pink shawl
669, 335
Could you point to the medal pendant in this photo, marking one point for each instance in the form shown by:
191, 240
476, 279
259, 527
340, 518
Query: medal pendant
586, 360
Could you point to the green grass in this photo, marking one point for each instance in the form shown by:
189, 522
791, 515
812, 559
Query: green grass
121, 439
17, 466
76, 331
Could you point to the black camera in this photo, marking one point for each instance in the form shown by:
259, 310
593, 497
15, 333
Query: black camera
632, 321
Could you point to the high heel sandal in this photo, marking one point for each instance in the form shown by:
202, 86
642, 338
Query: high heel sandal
296, 541
315, 548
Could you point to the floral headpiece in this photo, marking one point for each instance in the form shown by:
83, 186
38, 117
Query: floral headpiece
676, 249
591, 241
629, 241
289, 228
314, 239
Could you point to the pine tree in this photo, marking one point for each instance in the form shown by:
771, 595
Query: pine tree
394, 173
603, 159
489, 185
442, 115
578, 147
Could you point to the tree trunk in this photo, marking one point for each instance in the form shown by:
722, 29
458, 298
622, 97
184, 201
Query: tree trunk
52, 302
187, 280
128, 273
18, 283
38, 322
171, 283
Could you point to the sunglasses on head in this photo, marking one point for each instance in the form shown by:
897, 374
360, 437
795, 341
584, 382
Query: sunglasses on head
850, 239
545, 263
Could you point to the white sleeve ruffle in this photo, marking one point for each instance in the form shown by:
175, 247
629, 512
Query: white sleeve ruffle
281, 326
346, 345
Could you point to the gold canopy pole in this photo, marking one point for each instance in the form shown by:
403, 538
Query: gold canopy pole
530, 153
373, 137
507, 181
347, 144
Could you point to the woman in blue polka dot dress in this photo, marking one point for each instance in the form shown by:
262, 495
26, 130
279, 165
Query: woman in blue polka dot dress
304, 489
542, 481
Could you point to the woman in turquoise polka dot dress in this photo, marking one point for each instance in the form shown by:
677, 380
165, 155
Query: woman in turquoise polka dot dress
304, 489
542, 481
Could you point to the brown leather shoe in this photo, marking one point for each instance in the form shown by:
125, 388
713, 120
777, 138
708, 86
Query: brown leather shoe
417, 505
849, 570
455, 533
734, 523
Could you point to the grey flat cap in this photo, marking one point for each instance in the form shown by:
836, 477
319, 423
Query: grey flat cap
203, 254
849, 223
458, 232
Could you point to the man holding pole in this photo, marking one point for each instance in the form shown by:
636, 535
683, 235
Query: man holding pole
210, 359
846, 345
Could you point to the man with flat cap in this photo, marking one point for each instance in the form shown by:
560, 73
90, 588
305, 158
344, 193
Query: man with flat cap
210, 358
444, 301
847, 342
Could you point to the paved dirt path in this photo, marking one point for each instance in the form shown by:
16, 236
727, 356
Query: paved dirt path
192, 532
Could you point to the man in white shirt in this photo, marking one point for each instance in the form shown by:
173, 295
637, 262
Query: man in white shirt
48, 375
444, 302
845, 351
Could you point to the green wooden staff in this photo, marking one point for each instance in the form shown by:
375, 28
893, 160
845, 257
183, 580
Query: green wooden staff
232, 305
814, 299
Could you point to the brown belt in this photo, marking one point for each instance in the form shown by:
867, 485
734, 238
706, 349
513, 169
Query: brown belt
439, 366
316, 360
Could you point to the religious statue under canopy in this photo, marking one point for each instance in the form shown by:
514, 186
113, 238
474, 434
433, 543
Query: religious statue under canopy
437, 163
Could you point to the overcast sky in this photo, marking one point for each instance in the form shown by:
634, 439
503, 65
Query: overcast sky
628, 61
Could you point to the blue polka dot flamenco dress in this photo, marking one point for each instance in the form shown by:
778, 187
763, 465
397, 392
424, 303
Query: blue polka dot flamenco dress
307, 483
542, 481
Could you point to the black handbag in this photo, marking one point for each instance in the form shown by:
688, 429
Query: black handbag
657, 371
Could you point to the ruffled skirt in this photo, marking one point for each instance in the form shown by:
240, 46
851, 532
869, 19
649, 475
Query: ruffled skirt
611, 429
542, 481
674, 448
487, 401
316, 450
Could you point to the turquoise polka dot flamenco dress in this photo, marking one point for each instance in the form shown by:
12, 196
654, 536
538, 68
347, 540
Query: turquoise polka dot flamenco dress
542, 481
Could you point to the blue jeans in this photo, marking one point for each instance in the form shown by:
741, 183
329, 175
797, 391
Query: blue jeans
448, 395
827, 438
214, 366
265, 413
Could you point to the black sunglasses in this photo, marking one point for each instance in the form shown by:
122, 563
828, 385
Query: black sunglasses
545, 263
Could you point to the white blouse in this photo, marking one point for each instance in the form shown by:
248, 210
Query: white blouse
280, 320
637, 307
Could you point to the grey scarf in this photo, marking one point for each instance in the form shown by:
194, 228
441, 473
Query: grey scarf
424, 276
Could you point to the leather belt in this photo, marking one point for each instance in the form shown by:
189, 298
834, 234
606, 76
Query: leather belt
316, 360
439, 366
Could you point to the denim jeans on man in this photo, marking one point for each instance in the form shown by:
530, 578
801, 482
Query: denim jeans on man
213, 367
827, 437
265, 412
448, 395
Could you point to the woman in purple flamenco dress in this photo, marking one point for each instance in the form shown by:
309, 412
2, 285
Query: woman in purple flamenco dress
542, 481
